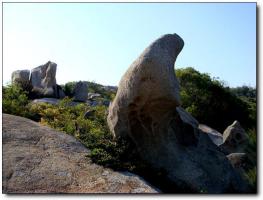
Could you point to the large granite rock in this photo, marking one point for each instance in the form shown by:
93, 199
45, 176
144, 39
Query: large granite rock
38, 159
148, 82
43, 80
80, 91
21, 77
146, 109
235, 139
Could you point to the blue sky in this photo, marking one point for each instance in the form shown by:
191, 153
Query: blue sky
98, 42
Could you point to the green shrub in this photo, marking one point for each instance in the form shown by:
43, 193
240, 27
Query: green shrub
15, 100
68, 88
210, 102
251, 164
251, 176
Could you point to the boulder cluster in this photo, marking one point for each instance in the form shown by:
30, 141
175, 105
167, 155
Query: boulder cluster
147, 110
42, 86
41, 81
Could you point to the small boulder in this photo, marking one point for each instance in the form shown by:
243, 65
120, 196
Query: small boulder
235, 139
21, 77
80, 91
92, 96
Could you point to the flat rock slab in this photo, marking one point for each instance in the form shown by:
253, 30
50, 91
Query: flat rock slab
38, 159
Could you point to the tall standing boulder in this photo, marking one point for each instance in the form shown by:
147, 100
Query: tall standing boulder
80, 91
21, 77
147, 84
43, 80
147, 110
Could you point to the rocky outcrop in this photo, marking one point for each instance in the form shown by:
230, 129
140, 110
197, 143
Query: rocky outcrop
21, 77
38, 159
235, 139
148, 82
147, 110
43, 80
80, 91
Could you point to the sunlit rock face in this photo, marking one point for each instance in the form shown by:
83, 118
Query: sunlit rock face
147, 110
149, 82
43, 80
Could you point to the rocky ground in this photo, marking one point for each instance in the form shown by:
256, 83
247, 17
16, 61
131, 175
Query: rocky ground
38, 159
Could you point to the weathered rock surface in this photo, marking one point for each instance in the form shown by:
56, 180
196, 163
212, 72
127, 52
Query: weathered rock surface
235, 139
80, 91
21, 77
214, 135
149, 81
38, 159
43, 80
146, 109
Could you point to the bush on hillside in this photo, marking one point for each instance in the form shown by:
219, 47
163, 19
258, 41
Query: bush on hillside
210, 102
15, 100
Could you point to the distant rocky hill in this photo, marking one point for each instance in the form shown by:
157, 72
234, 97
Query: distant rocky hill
38, 159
